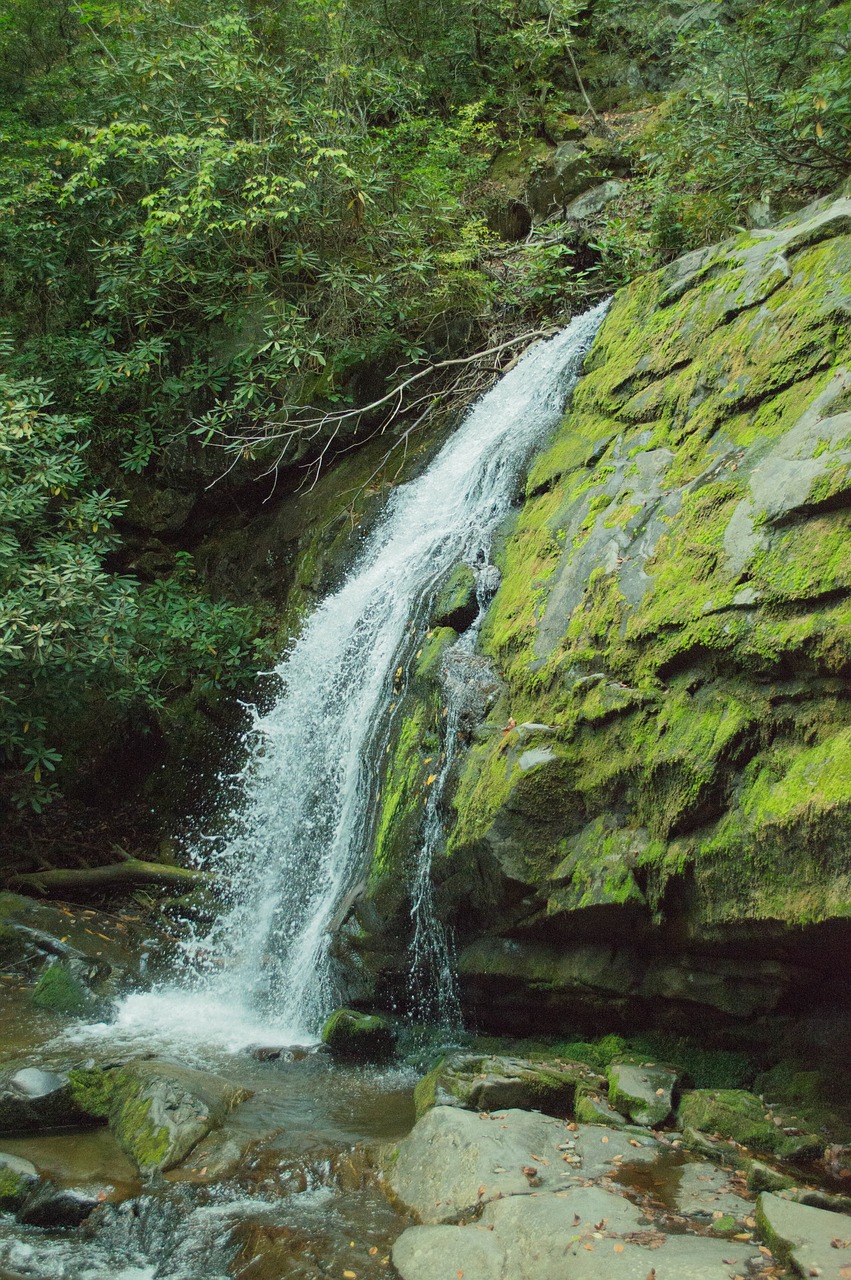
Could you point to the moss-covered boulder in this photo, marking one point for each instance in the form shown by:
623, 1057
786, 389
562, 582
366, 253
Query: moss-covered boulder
742, 1117
17, 1179
358, 1037
489, 1083
158, 1111
60, 991
642, 1091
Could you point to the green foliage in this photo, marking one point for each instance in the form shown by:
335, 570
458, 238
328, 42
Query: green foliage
72, 633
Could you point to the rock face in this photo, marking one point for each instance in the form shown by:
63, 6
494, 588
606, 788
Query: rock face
673, 616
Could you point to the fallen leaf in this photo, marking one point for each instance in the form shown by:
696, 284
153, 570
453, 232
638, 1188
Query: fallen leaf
373, 1251
350, 1275
604, 1139
618, 1248
460, 1274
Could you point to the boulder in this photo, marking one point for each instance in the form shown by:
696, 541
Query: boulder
490, 1083
816, 1242
360, 1037
32, 1100
61, 991
158, 1111
741, 1117
17, 1179
642, 1091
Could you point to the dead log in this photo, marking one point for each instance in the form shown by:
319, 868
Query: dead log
85, 882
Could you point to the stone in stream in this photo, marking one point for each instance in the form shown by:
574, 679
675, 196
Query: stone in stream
642, 1091
815, 1241
32, 1100
455, 1160
17, 1179
488, 1083
358, 1037
579, 1234
52, 1206
158, 1111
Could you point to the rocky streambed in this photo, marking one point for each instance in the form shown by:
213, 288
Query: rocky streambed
130, 1150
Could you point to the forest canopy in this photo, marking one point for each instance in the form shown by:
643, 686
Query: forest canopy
214, 212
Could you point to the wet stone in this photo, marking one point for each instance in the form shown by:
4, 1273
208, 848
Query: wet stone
816, 1241
52, 1206
642, 1091
33, 1100
580, 1234
705, 1192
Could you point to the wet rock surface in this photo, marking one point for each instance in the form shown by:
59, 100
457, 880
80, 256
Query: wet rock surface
490, 1083
642, 1091
816, 1242
515, 1195
32, 1099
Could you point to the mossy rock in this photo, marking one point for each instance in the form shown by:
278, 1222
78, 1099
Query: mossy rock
157, 1111
61, 992
492, 1083
591, 1107
358, 1037
740, 1117
17, 1179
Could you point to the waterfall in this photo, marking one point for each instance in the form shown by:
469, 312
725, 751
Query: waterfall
297, 841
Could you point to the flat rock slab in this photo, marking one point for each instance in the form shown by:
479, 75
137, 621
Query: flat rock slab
705, 1191
805, 1236
601, 1150
581, 1234
454, 1160
644, 1092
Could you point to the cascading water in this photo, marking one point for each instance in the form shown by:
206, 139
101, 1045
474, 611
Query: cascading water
299, 835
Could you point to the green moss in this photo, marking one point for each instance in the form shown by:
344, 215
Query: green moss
130, 1121
359, 1036
425, 1091
59, 991
14, 1188
93, 1090
741, 1117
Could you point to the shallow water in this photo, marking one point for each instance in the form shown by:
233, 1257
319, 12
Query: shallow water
286, 1188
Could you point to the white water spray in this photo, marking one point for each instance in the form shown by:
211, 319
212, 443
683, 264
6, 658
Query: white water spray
299, 837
